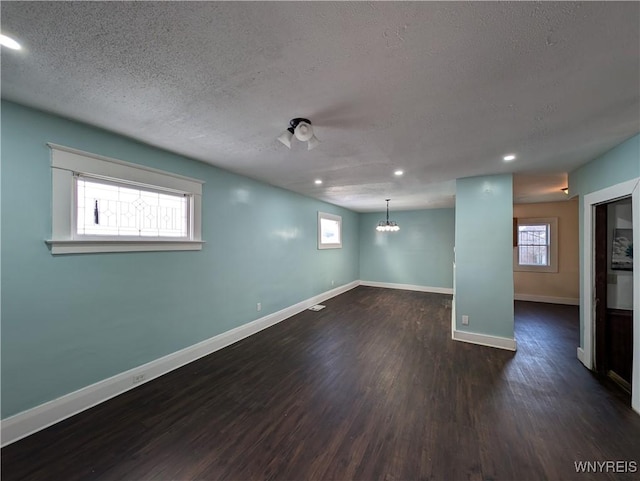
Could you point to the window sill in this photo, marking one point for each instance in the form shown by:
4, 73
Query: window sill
549, 269
95, 246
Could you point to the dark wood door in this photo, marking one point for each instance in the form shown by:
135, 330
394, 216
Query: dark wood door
613, 327
600, 244
619, 348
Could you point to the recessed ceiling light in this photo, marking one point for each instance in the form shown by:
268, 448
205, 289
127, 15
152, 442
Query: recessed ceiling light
318, 181
398, 172
509, 157
9, 42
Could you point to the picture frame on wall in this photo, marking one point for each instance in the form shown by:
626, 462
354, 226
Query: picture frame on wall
622, 250
329, 231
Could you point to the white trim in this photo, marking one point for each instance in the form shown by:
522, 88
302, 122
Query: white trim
580, 354
588, 202
570, 301
40, 417
76, 160
623, 189
408, 287
146, 245
67, 162
485, 340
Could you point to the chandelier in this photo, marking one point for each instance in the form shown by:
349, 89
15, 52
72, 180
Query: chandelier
388, 225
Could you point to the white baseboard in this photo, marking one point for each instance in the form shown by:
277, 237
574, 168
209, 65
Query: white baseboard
485, 340
581, 355
571, 301
40, 417
408, 287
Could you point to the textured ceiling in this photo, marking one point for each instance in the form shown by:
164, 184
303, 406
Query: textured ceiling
441, 90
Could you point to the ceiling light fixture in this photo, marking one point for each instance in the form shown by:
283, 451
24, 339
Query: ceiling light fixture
388, 225
509, 157
565, 190
300, 129
318, 181
9, 42
398, 172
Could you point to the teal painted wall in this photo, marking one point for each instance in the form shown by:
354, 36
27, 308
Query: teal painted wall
70, 321
620, 164
484, 255
420, 253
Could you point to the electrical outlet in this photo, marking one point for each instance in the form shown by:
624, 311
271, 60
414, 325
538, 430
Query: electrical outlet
465, 320
137, 379
259, 306
333, 283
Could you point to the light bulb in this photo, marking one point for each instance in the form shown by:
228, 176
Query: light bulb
303, 132
286, 137
9, 42
313, 143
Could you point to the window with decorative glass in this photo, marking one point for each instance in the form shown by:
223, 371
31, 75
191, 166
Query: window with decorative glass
112, 209
101, 204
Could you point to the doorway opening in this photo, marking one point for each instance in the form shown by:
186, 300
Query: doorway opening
594, 343
613, 270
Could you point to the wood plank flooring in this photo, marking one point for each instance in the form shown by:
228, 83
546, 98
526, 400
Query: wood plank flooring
370, 388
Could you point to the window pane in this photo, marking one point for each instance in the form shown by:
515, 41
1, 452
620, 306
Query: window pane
533, 244
533, 255
329, 231
533, 234
107, 209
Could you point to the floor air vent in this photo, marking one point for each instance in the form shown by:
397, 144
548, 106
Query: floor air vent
317, 307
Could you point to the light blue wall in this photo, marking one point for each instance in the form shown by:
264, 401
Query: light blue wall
420, 253
70, 321
484, 255
618, 165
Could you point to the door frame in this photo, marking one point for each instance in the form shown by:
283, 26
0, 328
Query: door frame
589, 201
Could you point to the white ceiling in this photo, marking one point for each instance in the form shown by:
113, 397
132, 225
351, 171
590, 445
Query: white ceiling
441, 90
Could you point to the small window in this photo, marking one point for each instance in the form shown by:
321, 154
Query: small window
329, 231
534, 241
106, 205
537, 245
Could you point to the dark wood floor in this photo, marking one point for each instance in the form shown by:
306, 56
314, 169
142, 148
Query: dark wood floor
370, 388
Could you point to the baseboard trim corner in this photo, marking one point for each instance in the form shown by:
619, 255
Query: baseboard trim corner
485, 340
580, 353
47, 414
408, 287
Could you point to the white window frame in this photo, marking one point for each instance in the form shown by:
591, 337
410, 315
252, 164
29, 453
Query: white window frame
332, 217
552, 222
67, 163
